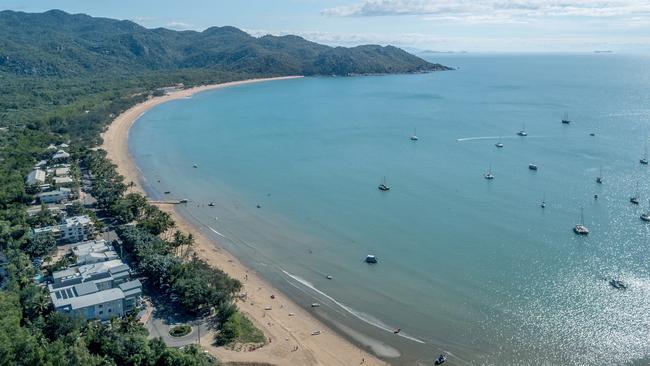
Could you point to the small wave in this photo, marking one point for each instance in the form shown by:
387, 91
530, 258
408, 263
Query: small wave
359, 315
495, 138
477, 138
216, 232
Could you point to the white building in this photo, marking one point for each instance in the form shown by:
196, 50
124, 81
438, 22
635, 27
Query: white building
57, 196
61, 156
63, 181
88, 301
93, 251
72, 230
36, 176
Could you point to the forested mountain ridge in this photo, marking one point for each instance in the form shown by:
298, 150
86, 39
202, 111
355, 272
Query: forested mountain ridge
55, 43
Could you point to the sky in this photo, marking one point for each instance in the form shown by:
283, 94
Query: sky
436, 25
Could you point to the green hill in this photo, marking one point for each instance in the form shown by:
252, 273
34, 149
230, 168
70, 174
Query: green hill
56, 43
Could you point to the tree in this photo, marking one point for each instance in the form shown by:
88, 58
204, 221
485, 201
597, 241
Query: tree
40, 244
156, 221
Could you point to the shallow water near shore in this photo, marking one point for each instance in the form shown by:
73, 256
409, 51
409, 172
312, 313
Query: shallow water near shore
467, 266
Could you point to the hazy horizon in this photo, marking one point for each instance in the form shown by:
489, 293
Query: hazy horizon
472, 26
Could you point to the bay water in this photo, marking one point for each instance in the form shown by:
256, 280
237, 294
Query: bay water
467, 266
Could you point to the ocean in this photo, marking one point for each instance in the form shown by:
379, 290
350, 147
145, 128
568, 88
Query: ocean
471, 267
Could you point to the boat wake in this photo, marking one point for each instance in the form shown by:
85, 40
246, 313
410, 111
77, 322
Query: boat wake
366, 318
216, 232
494, 138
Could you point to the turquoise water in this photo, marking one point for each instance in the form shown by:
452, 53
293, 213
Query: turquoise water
467, 266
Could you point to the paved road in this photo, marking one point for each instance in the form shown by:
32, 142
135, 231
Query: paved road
160, 328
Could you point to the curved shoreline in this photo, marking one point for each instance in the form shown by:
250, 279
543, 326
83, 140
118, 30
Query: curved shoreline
285, 332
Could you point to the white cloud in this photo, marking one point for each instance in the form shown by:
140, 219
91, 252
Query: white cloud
425, 41
495, 10
176, 25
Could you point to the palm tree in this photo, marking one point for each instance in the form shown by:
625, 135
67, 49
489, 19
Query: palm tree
188, 243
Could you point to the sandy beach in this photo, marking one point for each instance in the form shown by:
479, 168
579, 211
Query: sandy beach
284, 331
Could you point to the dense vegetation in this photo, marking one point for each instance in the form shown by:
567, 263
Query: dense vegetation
64, 78
56, 43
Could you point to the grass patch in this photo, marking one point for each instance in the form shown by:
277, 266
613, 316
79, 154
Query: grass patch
180, 330
239, 329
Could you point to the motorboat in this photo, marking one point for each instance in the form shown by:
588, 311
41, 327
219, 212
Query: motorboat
440, 360
532, 166
371, 259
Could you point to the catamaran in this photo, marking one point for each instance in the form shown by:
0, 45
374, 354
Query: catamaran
635, 199
414, 136
580, 228
566, 119
383, 186
489, 175
646, 215
644, 159
522, 132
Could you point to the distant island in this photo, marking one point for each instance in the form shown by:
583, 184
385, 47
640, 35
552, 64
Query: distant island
56, 43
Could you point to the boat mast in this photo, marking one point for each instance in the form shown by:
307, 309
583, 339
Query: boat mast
582, 216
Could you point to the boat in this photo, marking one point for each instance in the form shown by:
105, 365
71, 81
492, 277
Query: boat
566, 119
543, 205
371, 259
440, 360
599, 178
522, 132
383, 186
644, 159
315, 305
580, 228
489, 175
592, 134
195, 166
414, 136
329, 277
646, 215
617, 284
211, 204
532, 166
167, 192
499, 144
635, 199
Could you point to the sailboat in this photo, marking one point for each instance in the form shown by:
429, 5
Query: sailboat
543, 205
414, 136
599, 178
383, 186
522, 132
635, 199
499, 144
646, 215
489, 175
644, 159
580, 228
566, 119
